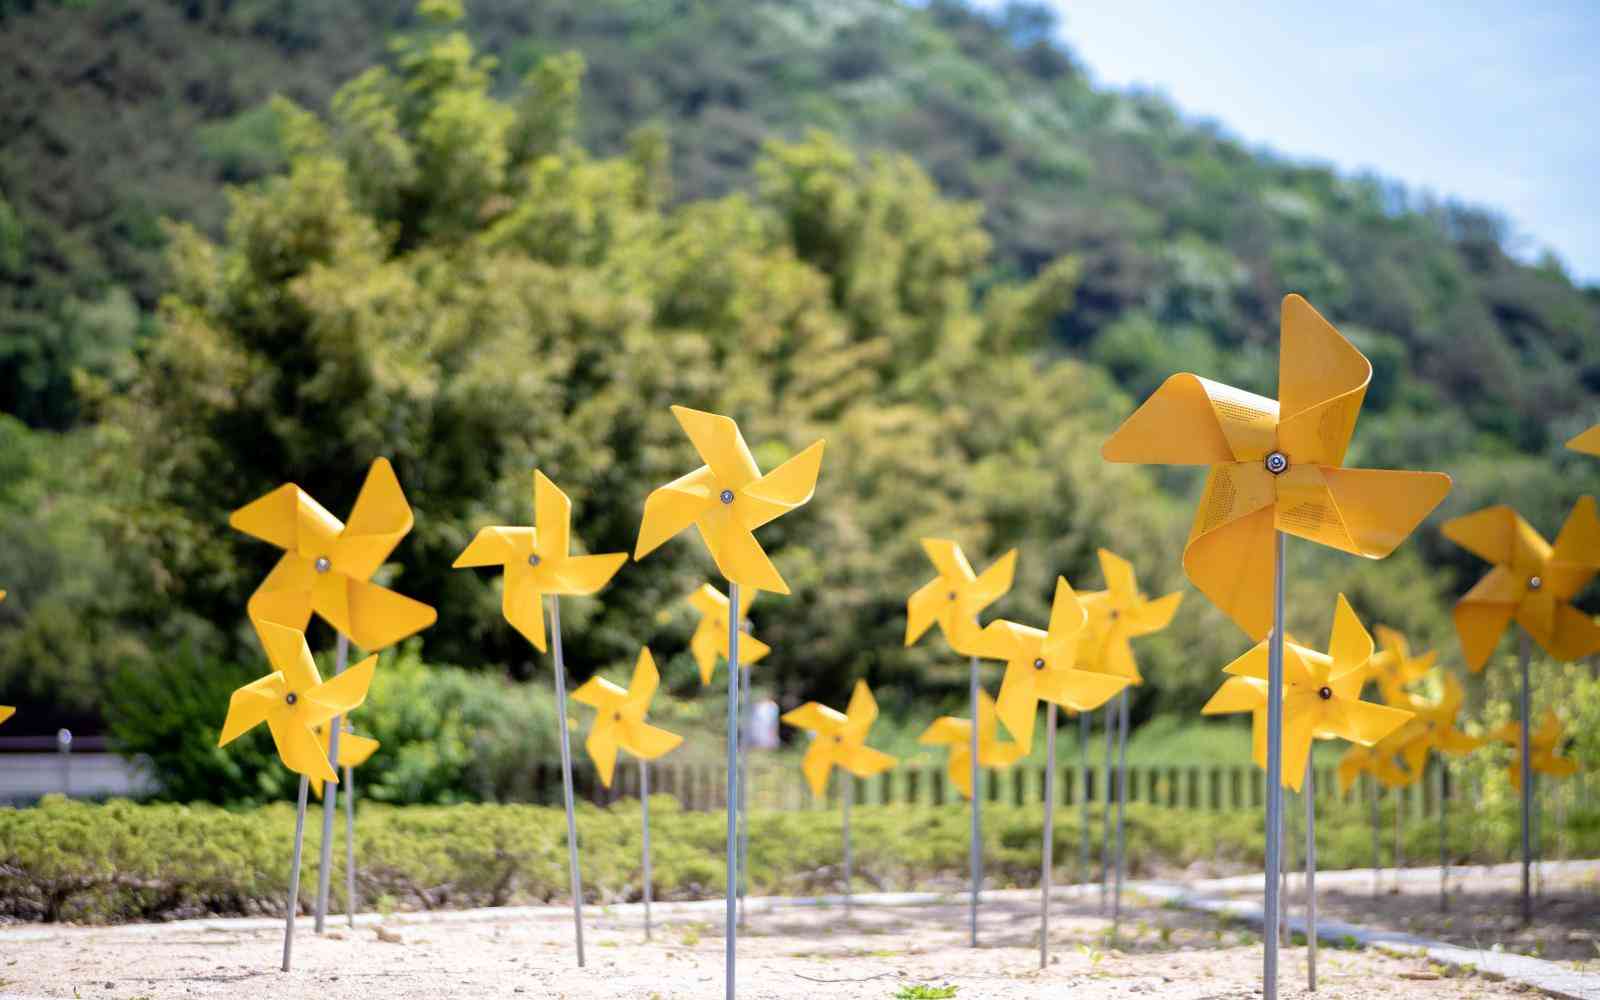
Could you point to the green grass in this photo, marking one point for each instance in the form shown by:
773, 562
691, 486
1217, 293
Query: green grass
921, 991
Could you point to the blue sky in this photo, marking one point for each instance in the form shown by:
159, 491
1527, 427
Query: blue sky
1497, 104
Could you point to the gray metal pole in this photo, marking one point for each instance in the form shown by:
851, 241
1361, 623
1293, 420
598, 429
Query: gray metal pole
1311, 875
644, 816
1377, 845
294, 873
1269, 985
1105, 811
1084, 724
350, 844
566, 774
330, 796
1527, 786
1049, 833
1122, 800
744, 791
1444, 844
975, 837
64, 748
731, 917
849, 793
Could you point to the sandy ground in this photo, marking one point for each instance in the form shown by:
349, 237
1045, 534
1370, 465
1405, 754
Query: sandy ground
811, 952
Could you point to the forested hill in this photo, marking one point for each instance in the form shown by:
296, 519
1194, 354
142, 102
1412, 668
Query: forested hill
119, 113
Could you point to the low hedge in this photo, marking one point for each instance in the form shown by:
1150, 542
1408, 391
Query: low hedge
120, 861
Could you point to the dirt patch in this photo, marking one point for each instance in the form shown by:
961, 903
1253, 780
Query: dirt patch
806, 952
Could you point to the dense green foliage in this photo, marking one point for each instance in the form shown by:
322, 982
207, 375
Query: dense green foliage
120, 861
475, 258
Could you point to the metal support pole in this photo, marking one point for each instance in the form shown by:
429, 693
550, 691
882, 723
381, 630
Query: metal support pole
1269, 986
1084, 725
1399, 841
1377, 845
566, 774
1122, 799
294, 873
1049, 833
975, 845
1527, 786
849, 793
1444, 843
330, 796
731, 916
350, 845
64, 748
1311, 875
644, 816
1105, 813
744, 791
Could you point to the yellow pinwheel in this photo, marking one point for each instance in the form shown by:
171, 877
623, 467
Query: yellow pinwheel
727, 499
327, 566
1394, 668
1544, 745
1532, 582
619, 718
949, 730
710, 638
354, 751
1588, 442
1322, 694
1040, 666
841, 740
1433, 728
954, 597
293, 701
1276, 465
537, 561
1117, 614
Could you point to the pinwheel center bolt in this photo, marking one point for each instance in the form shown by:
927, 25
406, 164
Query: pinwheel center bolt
726, 496
323, 564
1326, 694
952, 595
617, 717
291, 698
1038, 664
1534, 583
533, 559
1277, 463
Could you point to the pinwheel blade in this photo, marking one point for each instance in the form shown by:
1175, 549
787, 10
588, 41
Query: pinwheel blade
948, 559
648, 742
380, 518
1297, 733
1497, 535
290, 656
601, 694
354, 750
740, 558
1237, 694
816, 764
495, 546
522, 603
284, 597
1351, 646
1194, 421
946, 729
671, 508
1575, 557
1482, 615
1381, 507
299, 748
1067, 616
1588, 442
816, 718
704, 645
6, 712
1079, 690
958, 769
1018, 704
1153, 616
783, 489
579, 575
379, 617
1366, 723
602, 746
552, 518
720, 445
862, 711
992, 583
924, 606
339, 695
1572, 634
864, 762
1322, 380
1231, 563
250, 706
646, 678
275, 518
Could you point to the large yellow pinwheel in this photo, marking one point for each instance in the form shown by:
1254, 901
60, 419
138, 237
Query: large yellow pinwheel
948, 730
354, 751
840, 740
954, 597
1393, 666
1433, 725
1276, 465
1117, 614
1588, 442
619, 718
710, 638
293, 701
537, 561
327, 565
1544, 745
1322, 694
1532, 581
1040, 666
727, 498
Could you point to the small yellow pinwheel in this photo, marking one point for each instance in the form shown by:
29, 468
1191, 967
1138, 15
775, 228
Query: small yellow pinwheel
1117, 614
710, 638
353, 751
1322, 694
619, 718
537, 561
1040, 666
1433, 727
956, 595
1394, 668
840, 740
1377, 760
727, 499
1545, 746
327, 566
1532, 581
956, 733
1588, 442
293, 701
1276, 465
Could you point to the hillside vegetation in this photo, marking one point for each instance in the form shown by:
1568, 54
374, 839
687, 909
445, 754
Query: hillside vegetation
486, 244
